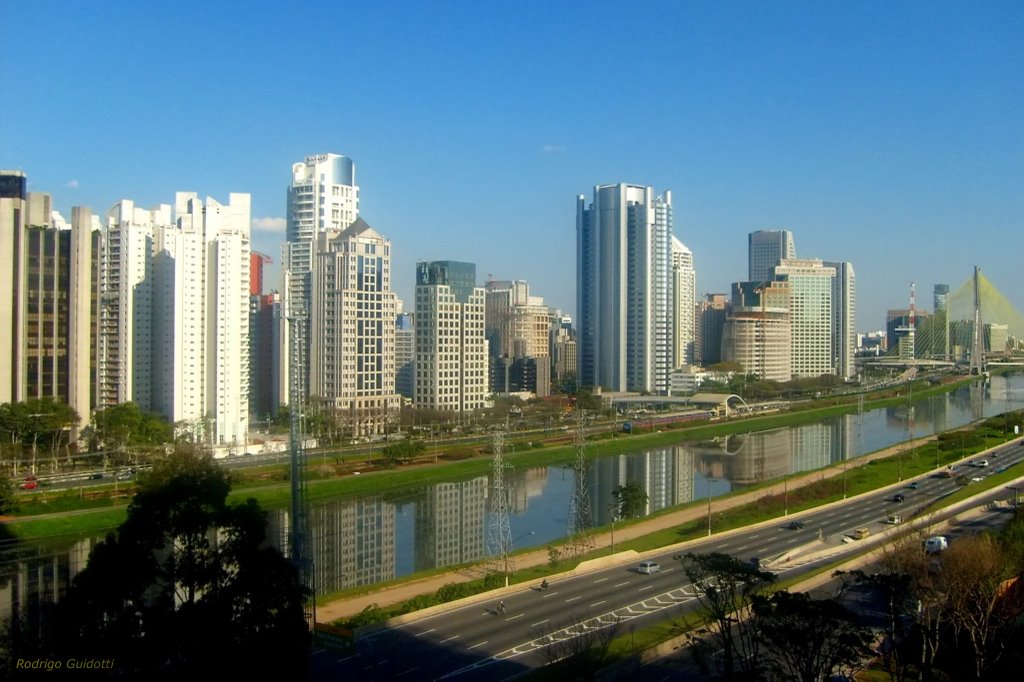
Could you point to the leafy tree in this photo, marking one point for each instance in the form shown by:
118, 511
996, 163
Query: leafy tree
188, 585
8, 494
123, 425
37, 424
725, 588
808, 639
630, 500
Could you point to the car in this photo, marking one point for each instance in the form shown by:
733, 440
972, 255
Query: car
95, 476
936, 544
795, 525
648, 567
981, 463
30, 483
913, 485
893, 519
126, 475
861, 533
899, 497
977, 479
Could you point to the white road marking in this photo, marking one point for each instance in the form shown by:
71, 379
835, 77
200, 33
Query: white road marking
450, 638
572, 599
599, 602
479, 644
621, 584
518, 615
418, 634
540, 623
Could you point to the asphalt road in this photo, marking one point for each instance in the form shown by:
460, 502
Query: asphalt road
478, 642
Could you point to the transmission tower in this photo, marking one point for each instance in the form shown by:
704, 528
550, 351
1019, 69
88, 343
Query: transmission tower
580, 519
298, 537
978, 333
499, 531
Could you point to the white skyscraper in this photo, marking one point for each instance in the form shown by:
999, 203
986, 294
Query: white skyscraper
323, 195
451, 349
811, 315
125, 354
765, 248
624, 288
201, 317
684, 286
353, 327
844, 320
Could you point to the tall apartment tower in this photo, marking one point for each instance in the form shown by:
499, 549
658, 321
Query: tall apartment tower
323, 195
13, 206
765, 249
201, 284
844, 320
812, 314
684, 285
757, 332
451, 349
624, 288
125, 353
353, 327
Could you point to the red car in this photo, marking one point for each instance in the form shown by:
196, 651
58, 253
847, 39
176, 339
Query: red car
30, 483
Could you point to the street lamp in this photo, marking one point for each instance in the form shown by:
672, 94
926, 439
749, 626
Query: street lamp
709, 507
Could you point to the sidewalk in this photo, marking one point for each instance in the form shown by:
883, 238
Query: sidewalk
395, 594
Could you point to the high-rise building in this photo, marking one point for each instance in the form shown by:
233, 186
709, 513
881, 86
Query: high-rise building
125, 354
265, 343
624, 288
844, 319
405, 354
709, 320
323, 195
563, 350
13, 206
940, 295
757, 332
765, 249
451, 348
353, 327
684, 285
811, 314
518, 327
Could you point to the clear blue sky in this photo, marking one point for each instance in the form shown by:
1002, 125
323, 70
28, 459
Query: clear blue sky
889, 134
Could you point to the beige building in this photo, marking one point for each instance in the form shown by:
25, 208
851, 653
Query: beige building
352, 367
518, 327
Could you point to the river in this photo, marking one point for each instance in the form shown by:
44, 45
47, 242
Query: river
369, 539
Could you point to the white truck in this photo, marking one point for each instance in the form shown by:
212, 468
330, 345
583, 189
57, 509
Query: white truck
935, 544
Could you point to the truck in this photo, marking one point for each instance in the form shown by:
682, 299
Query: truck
935, 544
861, 533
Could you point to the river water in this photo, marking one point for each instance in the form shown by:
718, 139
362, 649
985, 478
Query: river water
369, 539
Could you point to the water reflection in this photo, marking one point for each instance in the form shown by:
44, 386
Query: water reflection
376, 538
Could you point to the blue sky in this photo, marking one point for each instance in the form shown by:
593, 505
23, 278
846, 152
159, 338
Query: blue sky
888, 134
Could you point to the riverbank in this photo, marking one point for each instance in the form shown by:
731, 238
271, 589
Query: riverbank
669, 527
342, 476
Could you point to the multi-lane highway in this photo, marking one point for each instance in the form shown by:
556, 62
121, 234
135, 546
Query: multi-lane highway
480, 642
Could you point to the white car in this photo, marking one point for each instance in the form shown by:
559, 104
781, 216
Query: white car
648, 567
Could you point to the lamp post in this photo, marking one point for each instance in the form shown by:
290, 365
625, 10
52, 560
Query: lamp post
709, 507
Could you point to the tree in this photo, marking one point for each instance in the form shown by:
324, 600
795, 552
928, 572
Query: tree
630, 500
725, 588
187, 585
809, 639
578, 647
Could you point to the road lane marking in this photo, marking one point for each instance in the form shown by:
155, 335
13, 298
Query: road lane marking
549, 595
518, 615
479, 644
600, 580
425, 632
406, 671
621, 584
646, 587
450, 638
540, 623
572, 599
599, 602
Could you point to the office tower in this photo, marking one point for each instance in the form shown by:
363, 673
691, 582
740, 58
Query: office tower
405, 354
451, 349
765, 249
12, 224
563, 350
323, 195
201, 312
757, 332
624, 288
353, 327
517, 331
844, 322
811, 314
57, 297
709, 320
940, 295
125, 353
684, 285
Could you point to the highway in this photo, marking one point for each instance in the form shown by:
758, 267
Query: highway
478, 642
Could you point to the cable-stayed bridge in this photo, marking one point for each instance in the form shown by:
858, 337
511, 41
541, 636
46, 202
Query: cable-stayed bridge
977, 325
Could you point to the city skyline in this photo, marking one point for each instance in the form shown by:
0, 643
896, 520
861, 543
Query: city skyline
883, 135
